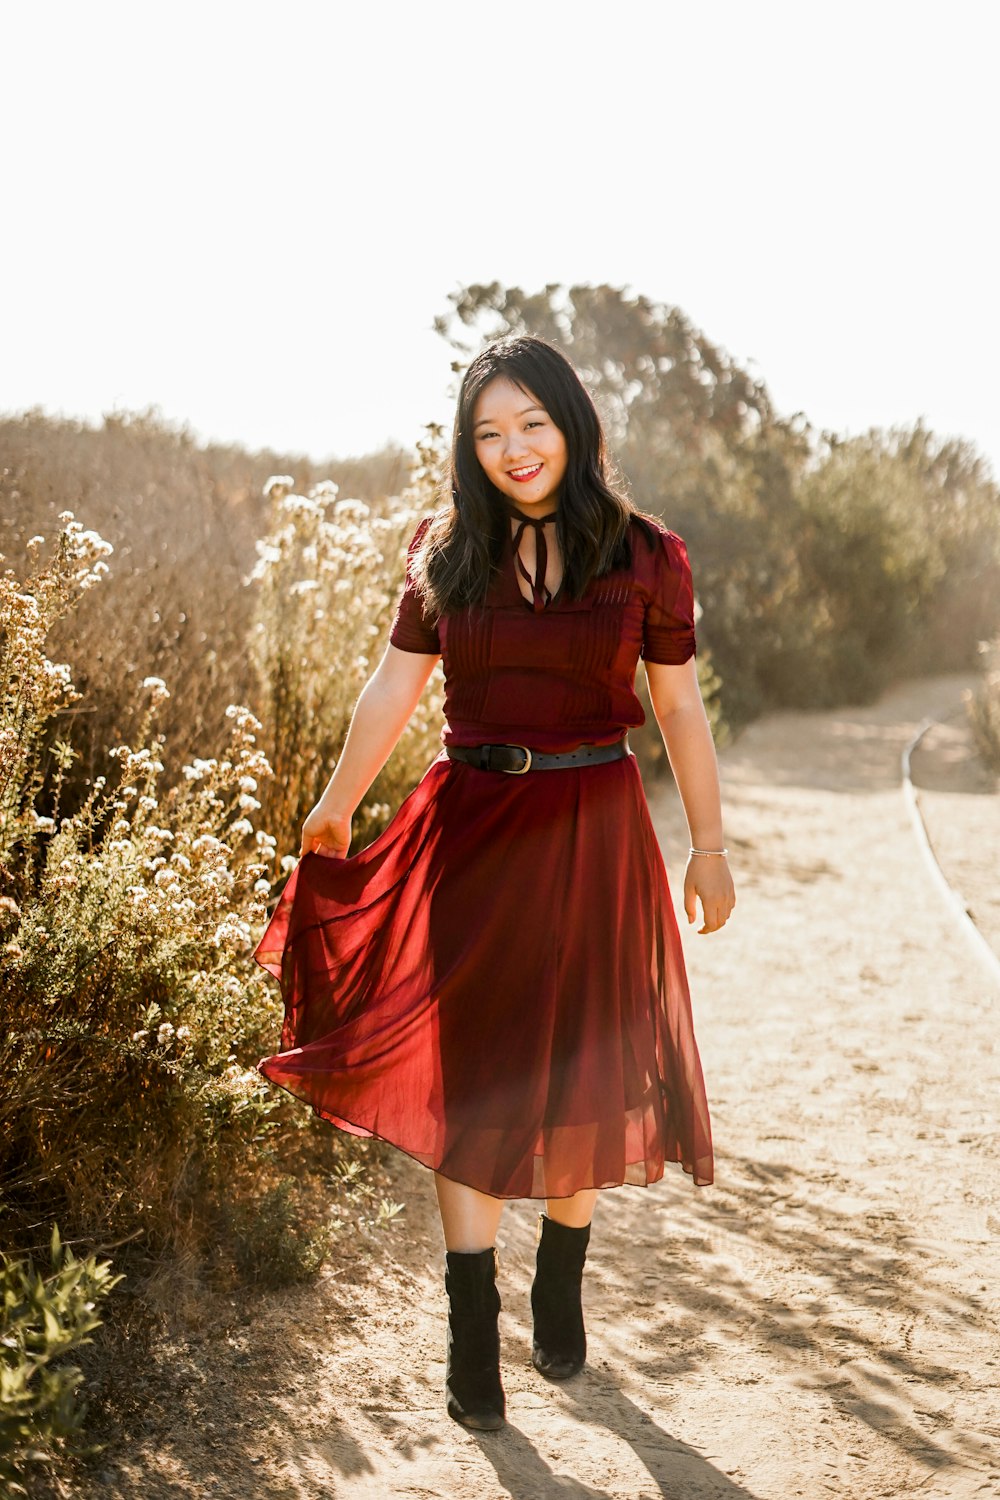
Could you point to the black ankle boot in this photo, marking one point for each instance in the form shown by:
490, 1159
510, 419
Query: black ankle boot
559, 1341
472, 1385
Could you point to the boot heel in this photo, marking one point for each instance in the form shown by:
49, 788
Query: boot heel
473, 1389
559, 1339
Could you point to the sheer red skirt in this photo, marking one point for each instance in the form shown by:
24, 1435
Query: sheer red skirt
496, 985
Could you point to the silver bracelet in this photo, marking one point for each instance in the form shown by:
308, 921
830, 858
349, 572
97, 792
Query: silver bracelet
708, 851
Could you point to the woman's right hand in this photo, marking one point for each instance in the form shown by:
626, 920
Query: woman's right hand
327, 833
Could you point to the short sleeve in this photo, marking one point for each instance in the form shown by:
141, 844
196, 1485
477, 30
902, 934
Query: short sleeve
668, 628
411, 631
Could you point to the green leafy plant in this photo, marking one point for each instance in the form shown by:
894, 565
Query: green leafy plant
43, 1318
272, 1248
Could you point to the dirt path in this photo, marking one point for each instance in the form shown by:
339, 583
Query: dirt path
822, 1321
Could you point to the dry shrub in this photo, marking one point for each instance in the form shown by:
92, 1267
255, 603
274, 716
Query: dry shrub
983, 710
327, 579
183, 519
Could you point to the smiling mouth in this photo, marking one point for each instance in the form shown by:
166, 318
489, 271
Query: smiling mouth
523, 474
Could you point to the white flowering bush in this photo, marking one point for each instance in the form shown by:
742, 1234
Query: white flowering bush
327, 579
133, 1013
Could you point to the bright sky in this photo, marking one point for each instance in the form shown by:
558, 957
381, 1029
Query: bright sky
250, 214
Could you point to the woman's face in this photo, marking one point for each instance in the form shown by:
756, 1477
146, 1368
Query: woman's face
519, 446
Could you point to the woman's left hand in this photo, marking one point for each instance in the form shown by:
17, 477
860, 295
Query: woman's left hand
708, 876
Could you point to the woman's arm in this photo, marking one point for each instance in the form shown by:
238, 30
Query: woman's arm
675, 694
381, 714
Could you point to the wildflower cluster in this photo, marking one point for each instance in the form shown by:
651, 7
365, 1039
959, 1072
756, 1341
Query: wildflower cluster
32, 688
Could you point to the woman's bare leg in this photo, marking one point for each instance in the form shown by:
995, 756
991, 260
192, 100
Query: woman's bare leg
469, 1219
575, 1212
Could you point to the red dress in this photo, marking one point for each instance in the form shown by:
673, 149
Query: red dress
496, 984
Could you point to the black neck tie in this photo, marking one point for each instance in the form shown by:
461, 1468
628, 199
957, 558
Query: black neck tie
540, 595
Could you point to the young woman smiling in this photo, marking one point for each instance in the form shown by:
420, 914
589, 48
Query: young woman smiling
496, 984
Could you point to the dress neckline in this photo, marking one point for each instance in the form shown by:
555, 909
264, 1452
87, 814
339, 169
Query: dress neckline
541, 599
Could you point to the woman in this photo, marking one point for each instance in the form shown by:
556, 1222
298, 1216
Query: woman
496, 984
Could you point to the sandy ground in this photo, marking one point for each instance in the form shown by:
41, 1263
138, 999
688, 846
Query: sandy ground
821, 1321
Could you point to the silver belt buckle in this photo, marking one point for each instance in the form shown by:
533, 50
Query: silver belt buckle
521, 769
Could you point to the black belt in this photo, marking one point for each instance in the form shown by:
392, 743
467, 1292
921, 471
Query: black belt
517, 759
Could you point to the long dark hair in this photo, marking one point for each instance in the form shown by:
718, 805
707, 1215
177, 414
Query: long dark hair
461, 549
